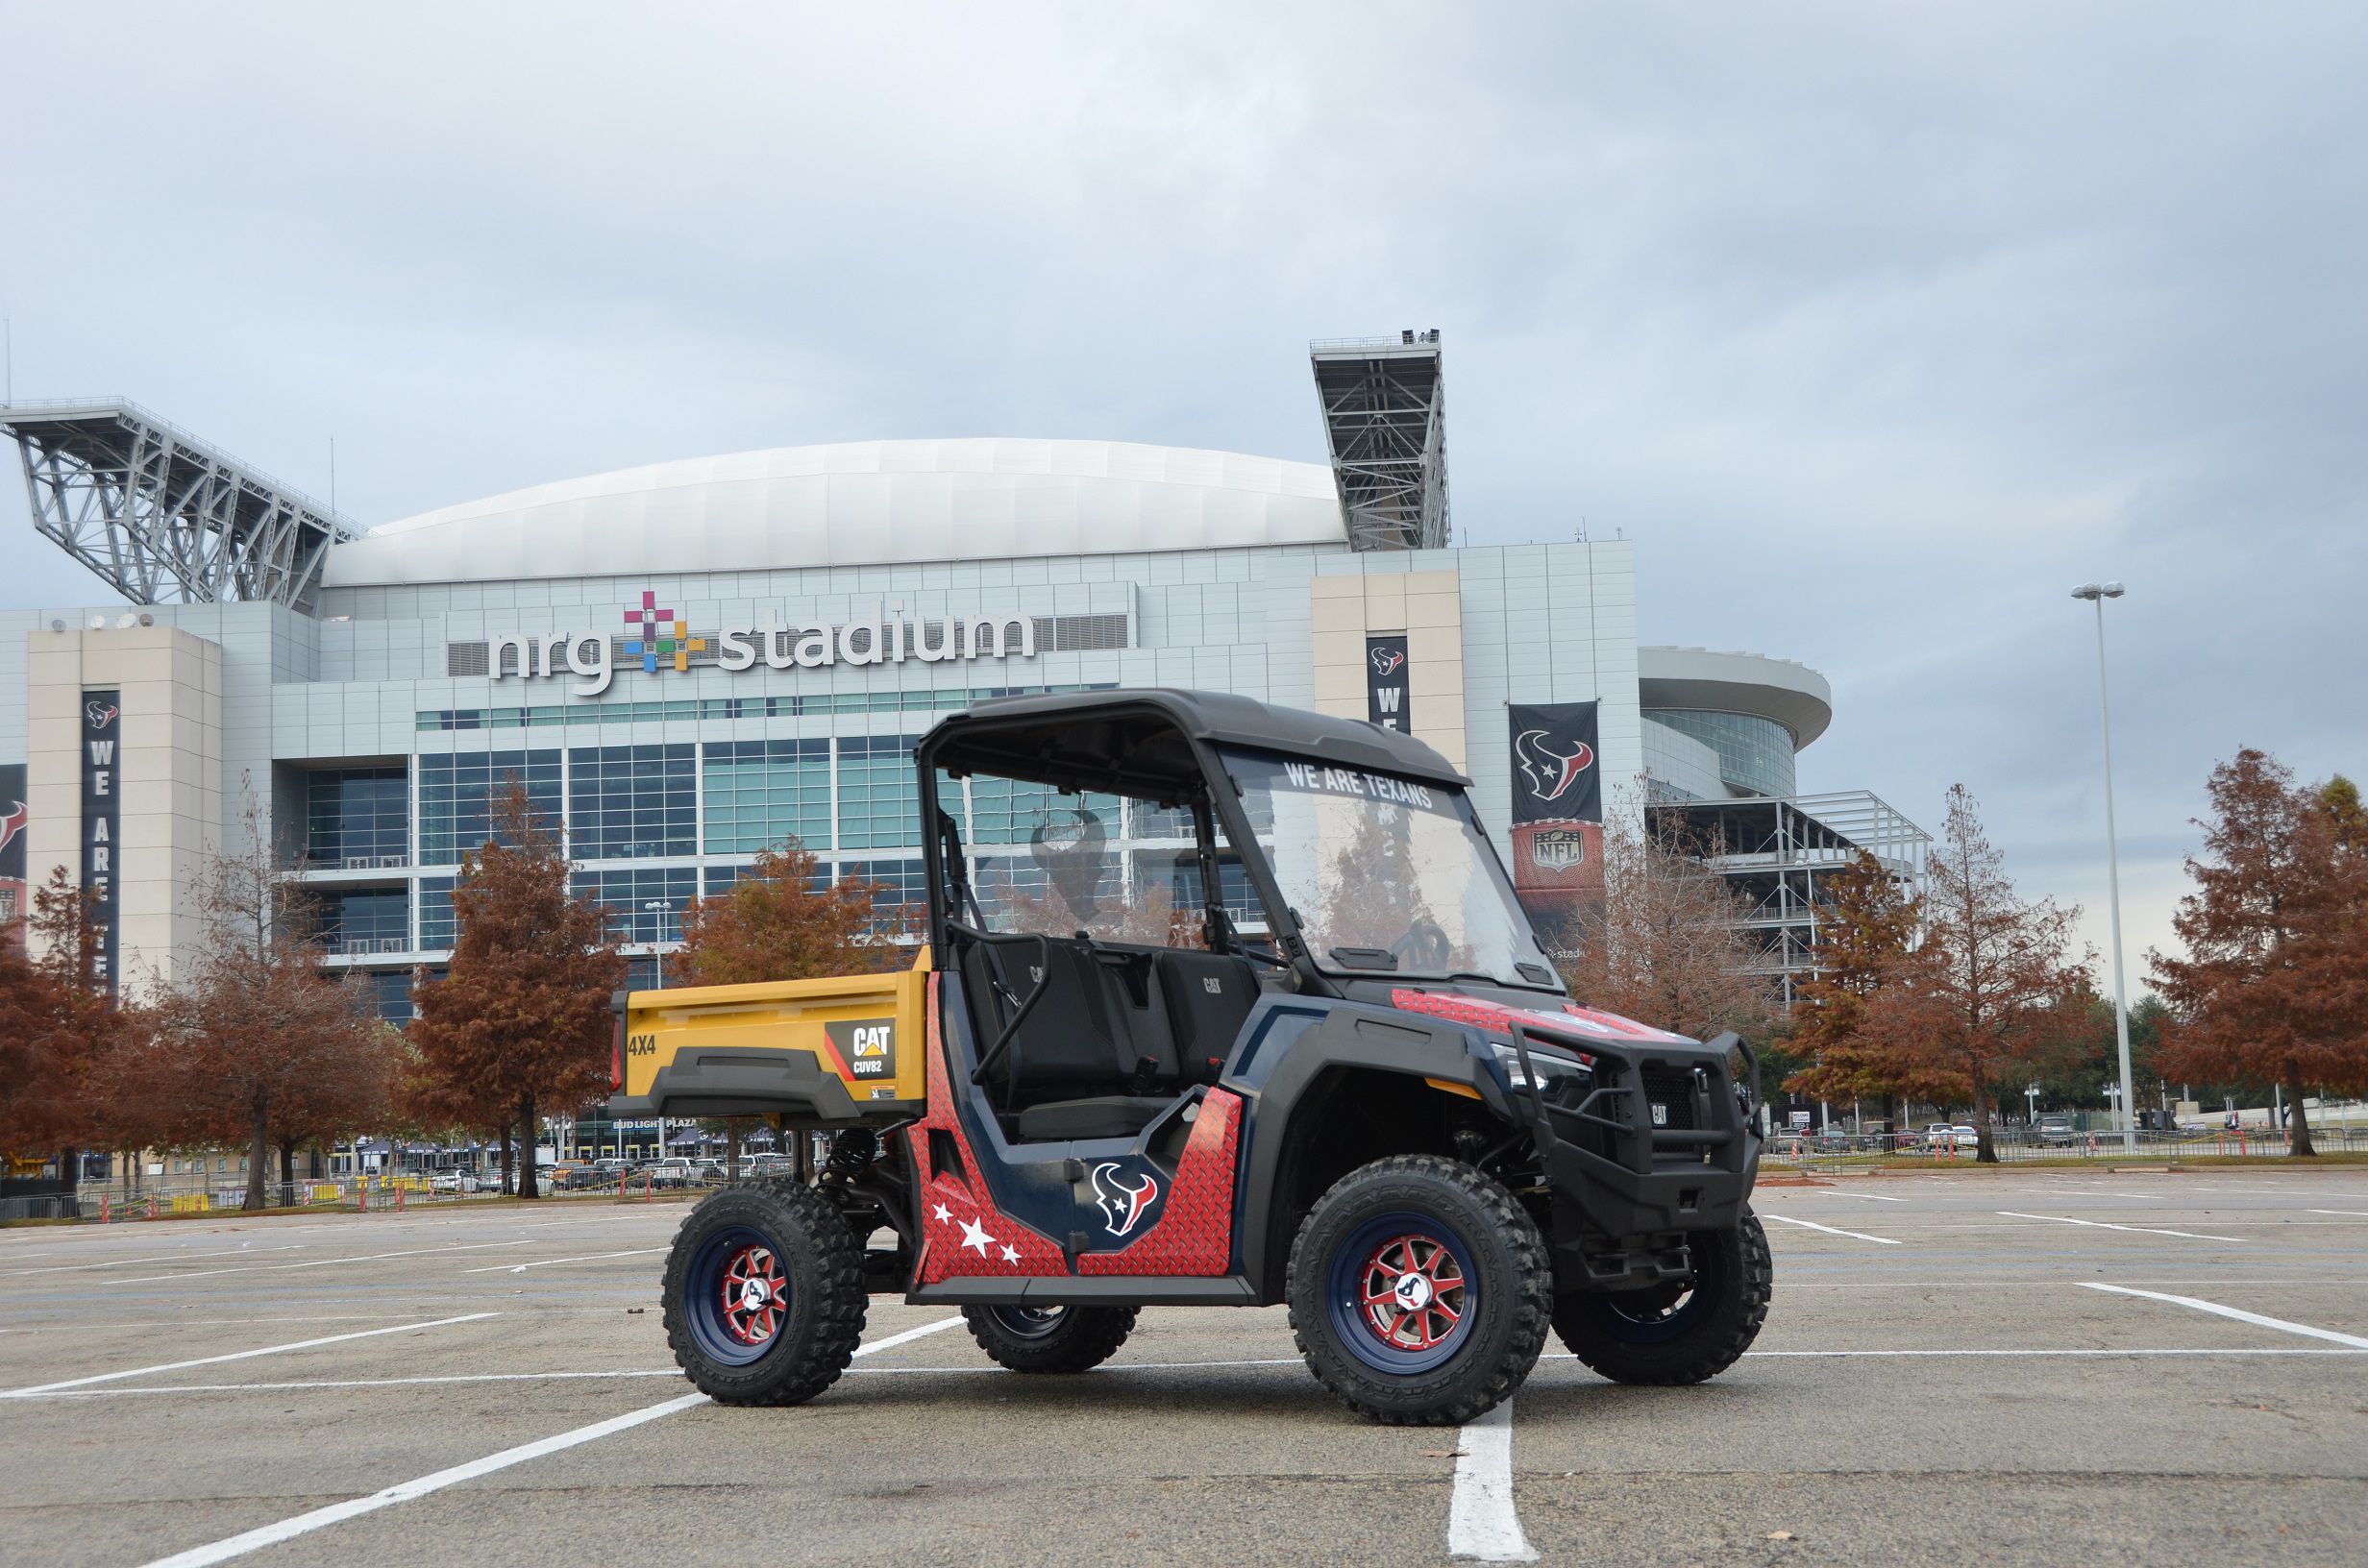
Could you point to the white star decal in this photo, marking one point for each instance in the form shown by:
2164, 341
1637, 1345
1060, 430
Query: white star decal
975, 1234
1010, 1256
944, 1214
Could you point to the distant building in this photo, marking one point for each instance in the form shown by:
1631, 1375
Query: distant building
1720, 735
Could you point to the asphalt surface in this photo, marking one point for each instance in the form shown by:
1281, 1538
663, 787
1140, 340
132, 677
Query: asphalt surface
1955, 1391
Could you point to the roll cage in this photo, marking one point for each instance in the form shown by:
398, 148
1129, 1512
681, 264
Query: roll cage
1159, 745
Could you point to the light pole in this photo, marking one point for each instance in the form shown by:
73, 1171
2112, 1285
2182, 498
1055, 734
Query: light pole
657, 956
2097, 592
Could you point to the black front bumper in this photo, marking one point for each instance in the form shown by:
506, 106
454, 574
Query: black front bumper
1656, 1144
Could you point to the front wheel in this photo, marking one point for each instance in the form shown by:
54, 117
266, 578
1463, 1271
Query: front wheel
1051, 1339
764, 1294
1419, 1291
1681, 1333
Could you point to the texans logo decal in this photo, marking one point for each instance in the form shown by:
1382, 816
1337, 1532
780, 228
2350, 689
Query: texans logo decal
1551, 772
1385, 660
12, 825
1123, 1207
96, 717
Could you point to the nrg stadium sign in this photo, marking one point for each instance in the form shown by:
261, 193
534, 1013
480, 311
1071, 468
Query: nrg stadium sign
658, 639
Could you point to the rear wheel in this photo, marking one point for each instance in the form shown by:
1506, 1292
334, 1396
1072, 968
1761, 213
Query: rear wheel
1682, 1333
1419, 1291
1051, 1339
764, 1294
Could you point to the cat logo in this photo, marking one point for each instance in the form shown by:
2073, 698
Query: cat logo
1212, 985
867, 1045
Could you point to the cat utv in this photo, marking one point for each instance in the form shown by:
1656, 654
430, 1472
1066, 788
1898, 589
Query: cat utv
1220, 1004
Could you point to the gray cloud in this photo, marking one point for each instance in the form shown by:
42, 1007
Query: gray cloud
1877, 328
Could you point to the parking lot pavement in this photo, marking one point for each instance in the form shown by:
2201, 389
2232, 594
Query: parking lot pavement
1939, 1379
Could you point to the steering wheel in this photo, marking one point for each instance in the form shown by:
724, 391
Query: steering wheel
1425, 943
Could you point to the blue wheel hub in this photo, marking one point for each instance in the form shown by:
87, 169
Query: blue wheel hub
739, 1296
1403, 1294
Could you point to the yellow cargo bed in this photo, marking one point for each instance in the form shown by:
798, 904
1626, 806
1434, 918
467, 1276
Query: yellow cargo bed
840, 1051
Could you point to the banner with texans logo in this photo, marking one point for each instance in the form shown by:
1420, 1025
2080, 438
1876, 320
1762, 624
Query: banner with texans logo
1385, 683
14, 819
1555, 778
102, 821
1557, 813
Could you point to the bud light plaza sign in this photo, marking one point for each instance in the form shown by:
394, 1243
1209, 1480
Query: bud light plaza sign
660, 639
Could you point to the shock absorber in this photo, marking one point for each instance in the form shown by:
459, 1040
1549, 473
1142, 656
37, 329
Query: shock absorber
852, 1153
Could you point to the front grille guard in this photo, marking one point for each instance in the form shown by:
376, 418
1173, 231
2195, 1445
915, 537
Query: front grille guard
1638, 1145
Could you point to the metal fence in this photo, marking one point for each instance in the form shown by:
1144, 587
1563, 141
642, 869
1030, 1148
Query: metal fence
1842, 1151
159, 1199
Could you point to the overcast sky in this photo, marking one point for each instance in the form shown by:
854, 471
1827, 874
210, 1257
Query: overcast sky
1876, 327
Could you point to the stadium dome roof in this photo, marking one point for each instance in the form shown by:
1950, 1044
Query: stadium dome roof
858, 503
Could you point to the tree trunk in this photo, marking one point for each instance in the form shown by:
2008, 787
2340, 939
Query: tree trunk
526, 1147
259, 1151
1985, 1152
2300, 1121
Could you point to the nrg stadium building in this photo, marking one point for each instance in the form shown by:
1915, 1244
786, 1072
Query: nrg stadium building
690, 661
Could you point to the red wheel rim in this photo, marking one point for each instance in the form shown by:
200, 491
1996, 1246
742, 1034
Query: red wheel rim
754, 1295
1413, 1293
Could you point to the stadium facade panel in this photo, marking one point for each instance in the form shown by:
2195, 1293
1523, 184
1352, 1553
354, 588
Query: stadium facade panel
688, 662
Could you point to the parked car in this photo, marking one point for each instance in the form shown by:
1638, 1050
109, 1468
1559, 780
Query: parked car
1968, 1136
2056, 1129
454, 1181
676, 1172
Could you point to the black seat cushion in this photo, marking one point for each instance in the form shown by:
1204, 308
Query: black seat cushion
1209, 997
1106, 1116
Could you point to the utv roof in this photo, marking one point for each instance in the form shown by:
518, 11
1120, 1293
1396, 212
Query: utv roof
1126, 738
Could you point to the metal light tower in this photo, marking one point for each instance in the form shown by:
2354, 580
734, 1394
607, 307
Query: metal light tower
2097, 592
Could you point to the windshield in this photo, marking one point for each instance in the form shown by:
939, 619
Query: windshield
1385, 874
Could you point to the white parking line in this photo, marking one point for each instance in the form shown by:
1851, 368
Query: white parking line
2236, 1313
158, 1258
331, 1262
1837, 1192
587, 1258
303, 1523
2101, 1225
1812, 1225
237, 1356
2357, 1213
1481, 1523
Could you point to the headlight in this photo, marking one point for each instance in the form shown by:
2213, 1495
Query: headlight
1562, 1080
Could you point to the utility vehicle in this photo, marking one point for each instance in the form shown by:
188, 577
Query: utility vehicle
1219, 1003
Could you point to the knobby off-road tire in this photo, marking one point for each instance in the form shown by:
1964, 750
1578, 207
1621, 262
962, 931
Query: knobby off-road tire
1666, 1336
764, 1296
1051, 1339
1419, 1291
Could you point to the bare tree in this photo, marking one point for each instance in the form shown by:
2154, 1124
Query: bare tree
255, 1037
1995, 991
1667, 944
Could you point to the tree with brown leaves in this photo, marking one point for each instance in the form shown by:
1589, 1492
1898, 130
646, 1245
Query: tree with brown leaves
57, 1025
522, 1021
256, 1042
2275, 984
1667, 945
1860, 1018
780, 921
1992, 992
